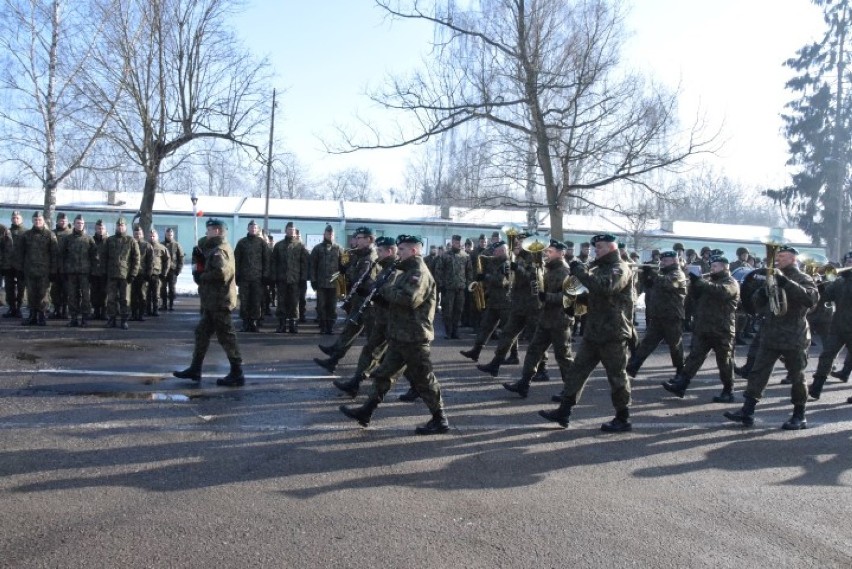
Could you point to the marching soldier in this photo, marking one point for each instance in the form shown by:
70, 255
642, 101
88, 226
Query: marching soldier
840, 333
480, 249
497, 286
139, 286
716, 301
289, 263
665, 291
176, 256
361, 275
554, 323
58, 290
253, 262
78, 253
411, 302
36, 252
453, 270
13, 274
782, 336
160, 262
218, 293
608, 329
323, 270
122, 265
98, 276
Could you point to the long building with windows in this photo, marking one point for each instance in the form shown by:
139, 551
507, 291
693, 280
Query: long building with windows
436, 224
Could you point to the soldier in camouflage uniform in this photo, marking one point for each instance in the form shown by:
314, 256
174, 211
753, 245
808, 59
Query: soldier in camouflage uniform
665, 291
78, 252
361, 274
176, 256
497, 301
289, 263
98, 276
324, 264
139, 286
13, 274
58, 291
252, 258
840, 332
36, 252
454, 272
782, 336
554, 323
303, 279
217, 290
411, 299
6, 253
715, 301
608, 329
121, 259
160, 262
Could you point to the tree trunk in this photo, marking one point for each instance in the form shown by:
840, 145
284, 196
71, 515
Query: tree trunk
146, 208
49, 178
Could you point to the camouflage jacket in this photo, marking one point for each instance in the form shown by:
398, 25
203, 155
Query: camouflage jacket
36, 252
77, 252
176, 255
290, 261
252, 259
16, 231
7, 249
431, 261
497, 282
121, 257
453, 270
791, 330
324, 262
363, 261
840, 293
146, 259
716, 301
411, 299
61, 235
665, 292
610, 284
523, 275
217, 287
160, 259
553, 315
379, 305
99, 256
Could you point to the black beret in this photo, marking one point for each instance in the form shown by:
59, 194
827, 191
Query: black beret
667, 254
608, 237
456, 238
558, 245
481, 236
252, 222
656, 252
385, 241
408, 239
717, 253
718, 259
585, 244
37, 214
435, 247
569, 244
788, 249
678, 247
495, 234
329, 228
364, 230
216, 222
496, 244
705, 249
742, 251
689, 251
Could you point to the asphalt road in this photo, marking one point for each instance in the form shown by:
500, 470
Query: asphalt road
107, 461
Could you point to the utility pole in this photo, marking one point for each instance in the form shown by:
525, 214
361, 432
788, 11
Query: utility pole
269, 166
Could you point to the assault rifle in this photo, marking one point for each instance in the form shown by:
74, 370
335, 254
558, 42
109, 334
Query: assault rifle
356, 317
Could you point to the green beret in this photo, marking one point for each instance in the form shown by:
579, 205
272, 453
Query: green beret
668, 255
678, 247
456, 238
718, 259
558, 245
216, 222
364, 230
788, 249
329, 229
608, 237
409, 239
385, 241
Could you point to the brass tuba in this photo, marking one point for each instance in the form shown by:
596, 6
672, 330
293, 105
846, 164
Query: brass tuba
339, 280
535, 244
572, 288
777, 296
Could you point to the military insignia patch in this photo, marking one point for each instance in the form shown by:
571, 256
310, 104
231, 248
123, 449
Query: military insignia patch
414, 279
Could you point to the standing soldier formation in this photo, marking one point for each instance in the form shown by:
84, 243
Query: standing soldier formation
252, 261
324, 270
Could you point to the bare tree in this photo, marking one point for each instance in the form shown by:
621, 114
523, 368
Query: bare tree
546, 70
49, 125
185, 78
290, 178
353, 184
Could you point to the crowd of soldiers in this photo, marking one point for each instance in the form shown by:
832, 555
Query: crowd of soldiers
85, 277
502, 290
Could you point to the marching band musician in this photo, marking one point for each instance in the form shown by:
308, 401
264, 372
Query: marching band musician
840, 333
495, 278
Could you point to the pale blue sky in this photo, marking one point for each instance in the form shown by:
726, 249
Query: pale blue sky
726, 54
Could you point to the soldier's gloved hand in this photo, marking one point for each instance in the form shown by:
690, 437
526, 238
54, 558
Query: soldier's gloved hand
577, 267
781, 280
693, 278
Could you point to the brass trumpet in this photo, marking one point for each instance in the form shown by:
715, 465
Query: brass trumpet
831, 273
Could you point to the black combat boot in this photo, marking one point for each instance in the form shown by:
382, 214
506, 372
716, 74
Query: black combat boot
410, 395
677, 385
164, 306
73, 323
797, 421
473, 353
111, 322
540, 376
282, 326
492, 368
42, 318
364, 413
726, 396
843, 374
521, 387
815, 389
254, 326
329, 364
746, 414
83, 322
10, 313
235, 377
193, 372
327, 350
329, 327
438, 425
512, 360
291, 326
155, 311
350, 387
560, 415
171, 305
620, 424
124, 325
742, 371
32, 320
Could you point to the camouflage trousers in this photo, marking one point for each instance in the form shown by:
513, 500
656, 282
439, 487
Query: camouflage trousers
14, 281
327, 304
154, 286
452, 305
351, 331
251, 299
656, 331
216, 322
518, 321
79, 295
118, 293
543, 338
795, 360
723, 346
37, 289
834, 343
58, 291
415, 359
613, 356
139, 295
492, 317
288, 300
374, 349
98, 286
167, 292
